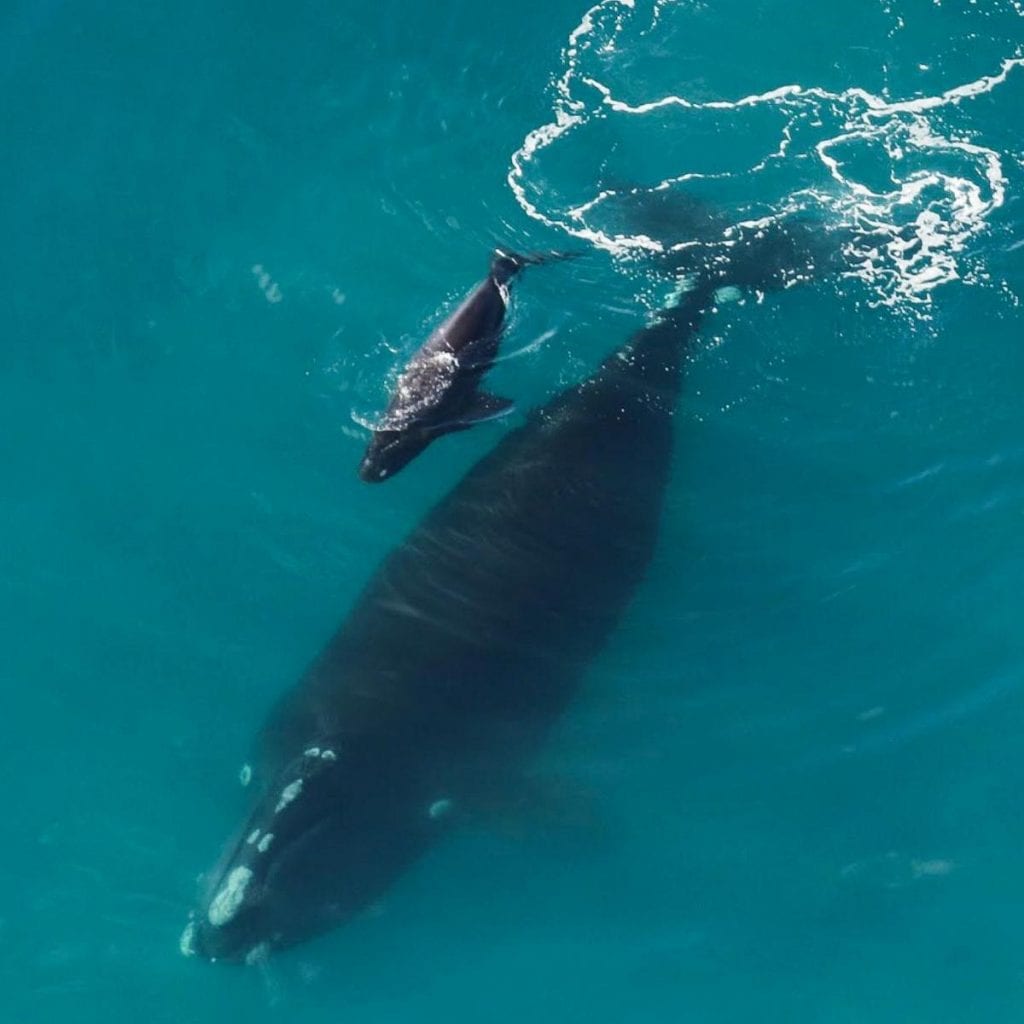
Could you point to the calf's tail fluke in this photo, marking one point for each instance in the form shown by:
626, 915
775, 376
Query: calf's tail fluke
505, 263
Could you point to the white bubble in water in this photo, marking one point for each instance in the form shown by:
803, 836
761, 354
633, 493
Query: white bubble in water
439, 809
186, 943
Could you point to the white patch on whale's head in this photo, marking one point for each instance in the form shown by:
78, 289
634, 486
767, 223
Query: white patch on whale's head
288, 794
264, 843
394, 447
226, 903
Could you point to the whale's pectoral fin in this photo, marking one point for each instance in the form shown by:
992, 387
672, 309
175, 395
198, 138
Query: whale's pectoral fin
485, 407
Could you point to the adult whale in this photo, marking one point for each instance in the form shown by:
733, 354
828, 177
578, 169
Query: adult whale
458, 657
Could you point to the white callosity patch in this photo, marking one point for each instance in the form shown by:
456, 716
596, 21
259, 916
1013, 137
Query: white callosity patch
914, 186
324, 753
245, 775
264, 843
253, 836
288, 794
225, 904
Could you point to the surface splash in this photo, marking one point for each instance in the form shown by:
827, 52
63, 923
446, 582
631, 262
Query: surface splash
909, 174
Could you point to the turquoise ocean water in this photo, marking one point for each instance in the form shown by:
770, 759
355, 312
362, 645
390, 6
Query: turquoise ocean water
225, 225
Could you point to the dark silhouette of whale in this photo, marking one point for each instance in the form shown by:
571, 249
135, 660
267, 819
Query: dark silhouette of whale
460, 654
438, 391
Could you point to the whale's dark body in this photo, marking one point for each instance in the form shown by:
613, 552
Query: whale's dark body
438, 391
471, 638
458, 657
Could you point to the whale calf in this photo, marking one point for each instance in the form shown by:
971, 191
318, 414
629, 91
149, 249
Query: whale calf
458, 657
438, 391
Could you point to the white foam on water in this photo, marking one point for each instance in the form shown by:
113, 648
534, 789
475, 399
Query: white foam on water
917, 185
531, 346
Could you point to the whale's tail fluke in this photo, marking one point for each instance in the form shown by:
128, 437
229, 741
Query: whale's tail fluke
688, 235
505, 264
769, 256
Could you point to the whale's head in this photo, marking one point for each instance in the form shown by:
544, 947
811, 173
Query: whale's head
321, 844
390, 451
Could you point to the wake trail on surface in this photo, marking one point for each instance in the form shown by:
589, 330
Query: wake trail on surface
911, 180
